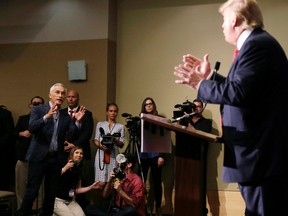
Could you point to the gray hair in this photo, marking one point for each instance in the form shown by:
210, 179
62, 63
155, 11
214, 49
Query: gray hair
52, 89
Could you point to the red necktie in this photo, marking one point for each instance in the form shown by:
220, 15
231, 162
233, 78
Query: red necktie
71, 114
235, 54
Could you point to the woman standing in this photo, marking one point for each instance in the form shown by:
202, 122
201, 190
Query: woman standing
154, 161
70, 185
105, 159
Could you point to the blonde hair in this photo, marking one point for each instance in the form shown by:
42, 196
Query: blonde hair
246, 10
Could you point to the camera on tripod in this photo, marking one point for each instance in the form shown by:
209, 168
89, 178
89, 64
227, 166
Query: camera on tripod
132, 123
186, 107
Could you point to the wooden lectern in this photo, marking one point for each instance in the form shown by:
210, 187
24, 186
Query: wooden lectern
190, 173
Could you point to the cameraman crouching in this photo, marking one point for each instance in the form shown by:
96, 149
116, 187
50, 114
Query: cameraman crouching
125, 189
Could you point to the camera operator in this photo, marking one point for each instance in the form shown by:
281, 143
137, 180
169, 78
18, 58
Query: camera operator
191, 149
105, 158
198, 121
125, 188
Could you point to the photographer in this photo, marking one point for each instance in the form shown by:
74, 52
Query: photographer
127, 194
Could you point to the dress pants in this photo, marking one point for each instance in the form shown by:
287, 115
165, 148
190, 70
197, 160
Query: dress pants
50, 168
267, 198
21, 175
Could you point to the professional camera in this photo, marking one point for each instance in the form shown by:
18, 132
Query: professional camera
186, 107
132, 123
108, 139
118, 173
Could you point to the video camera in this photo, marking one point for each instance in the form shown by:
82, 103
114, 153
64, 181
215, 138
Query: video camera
108, 139
132, 123
186, 107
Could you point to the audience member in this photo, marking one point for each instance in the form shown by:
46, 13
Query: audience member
154, 160
105, 159
82, 140
70, 186
23, 141
50, 127
255, 141
7, 148
125, 189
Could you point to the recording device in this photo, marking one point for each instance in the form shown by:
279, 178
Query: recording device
119, 174
118, 171
184, 113
132, 123
108, 139
216, 68
76, 164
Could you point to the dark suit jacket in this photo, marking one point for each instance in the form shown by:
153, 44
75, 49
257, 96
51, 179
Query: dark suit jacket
85, 133
42, 133
6, 132
7, 149
22, 144
254, 113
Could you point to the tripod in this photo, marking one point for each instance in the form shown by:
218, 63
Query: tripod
133, 147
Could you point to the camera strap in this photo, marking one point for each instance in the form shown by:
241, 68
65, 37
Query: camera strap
106, 158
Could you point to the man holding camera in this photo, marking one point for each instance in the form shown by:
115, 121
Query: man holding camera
125, 189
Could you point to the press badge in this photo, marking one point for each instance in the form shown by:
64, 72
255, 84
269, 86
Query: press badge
71, 193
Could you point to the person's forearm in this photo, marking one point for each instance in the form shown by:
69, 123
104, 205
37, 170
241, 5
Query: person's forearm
125, 197
83, 189
107, 190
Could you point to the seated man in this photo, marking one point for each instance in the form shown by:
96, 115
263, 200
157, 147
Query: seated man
125, 188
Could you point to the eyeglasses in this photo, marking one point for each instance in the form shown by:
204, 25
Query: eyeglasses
149, 104
36, 103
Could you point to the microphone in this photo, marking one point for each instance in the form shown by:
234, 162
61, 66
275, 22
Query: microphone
76, 163
184, 116
102, 132
125, 115
216, 68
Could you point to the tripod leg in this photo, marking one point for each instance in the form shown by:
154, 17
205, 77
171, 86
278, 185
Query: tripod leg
135, 144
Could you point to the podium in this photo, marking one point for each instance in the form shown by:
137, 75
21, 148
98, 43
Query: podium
189, 173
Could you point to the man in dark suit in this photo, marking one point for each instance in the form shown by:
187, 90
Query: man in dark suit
50, 128
255, 139
23, 137
82, 140
7, 148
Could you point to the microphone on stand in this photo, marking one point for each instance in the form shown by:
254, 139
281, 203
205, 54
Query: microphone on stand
216, 68
184, 116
